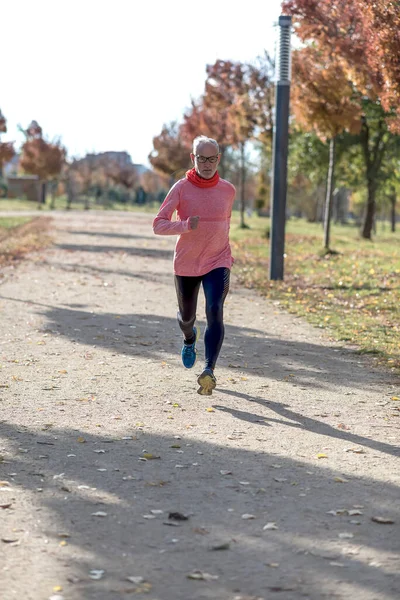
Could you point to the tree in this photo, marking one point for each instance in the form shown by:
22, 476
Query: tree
171, 152
41, 158
323, 101
227, 90
206, 118
358, 33
7, 151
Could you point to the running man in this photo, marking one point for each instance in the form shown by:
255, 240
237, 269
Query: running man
203, 202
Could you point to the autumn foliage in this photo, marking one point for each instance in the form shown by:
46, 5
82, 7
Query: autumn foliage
322, 95
39, 157
363, 35
6, 148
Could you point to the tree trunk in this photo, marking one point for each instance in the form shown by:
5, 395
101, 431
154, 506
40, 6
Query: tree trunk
70, 194
53, 195
393, 211
329, 192
371, 207
242, 184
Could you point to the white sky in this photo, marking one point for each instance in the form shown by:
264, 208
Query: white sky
106, 75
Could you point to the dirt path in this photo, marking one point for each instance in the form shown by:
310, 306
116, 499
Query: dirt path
280, 472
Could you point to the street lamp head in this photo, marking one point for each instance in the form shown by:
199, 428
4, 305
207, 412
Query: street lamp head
285, 23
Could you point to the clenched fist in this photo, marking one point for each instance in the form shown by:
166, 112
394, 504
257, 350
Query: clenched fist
193, 222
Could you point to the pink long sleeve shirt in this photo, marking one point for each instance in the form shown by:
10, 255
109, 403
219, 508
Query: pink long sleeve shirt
198, 251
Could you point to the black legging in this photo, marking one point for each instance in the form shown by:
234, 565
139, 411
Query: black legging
216, 287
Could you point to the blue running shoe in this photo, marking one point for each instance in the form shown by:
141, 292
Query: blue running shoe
188, 353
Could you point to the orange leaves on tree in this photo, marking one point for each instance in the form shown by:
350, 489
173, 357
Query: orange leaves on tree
171, 153
363, 35
6, 148
322, 95
39, 157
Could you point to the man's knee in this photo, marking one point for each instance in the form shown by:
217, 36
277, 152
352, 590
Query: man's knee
215, 312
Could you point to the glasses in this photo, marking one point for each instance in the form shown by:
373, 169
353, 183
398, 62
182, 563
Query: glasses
204, 159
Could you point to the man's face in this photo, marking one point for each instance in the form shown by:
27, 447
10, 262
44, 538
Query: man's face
206, 169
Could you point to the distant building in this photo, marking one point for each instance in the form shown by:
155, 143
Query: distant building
11, 168
26, 187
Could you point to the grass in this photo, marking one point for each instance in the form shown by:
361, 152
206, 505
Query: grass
21, 235
354, 293
11, 222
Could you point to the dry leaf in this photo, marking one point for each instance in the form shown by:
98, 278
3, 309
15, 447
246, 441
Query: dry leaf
382, 520
199, 575
96, 574
149, 456
99, 513
223, 472
322, 455
224, 546
247, 516
269, 526
177, 516
81, 440
210, 409
136, 580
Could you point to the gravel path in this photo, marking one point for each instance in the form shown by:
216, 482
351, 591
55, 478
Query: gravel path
117, 480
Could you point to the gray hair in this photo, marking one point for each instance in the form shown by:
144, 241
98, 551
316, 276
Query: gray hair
203, 139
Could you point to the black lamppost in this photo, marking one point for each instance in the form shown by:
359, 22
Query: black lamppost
280, 152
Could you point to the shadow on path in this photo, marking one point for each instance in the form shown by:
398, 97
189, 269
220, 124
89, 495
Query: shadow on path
105, 474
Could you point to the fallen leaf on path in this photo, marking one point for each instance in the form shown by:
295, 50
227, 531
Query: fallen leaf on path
340, 480
200, 575
6, 505
322, 455
149, 456
200, 530
224, 546
81, 440
99, 513
269, 526
210, 409
177, 516
248, 516
223, 472
96, 574
382, 520
134, 579
395, 398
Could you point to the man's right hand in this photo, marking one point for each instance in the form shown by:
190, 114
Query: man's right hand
193, 222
